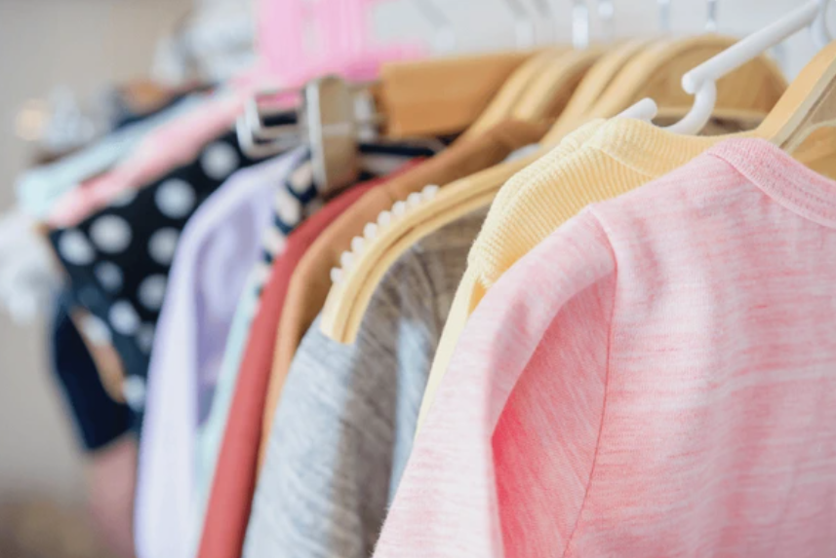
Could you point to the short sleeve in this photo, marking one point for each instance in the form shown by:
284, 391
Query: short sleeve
531, 367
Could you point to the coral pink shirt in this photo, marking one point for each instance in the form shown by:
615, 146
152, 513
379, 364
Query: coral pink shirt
656, 379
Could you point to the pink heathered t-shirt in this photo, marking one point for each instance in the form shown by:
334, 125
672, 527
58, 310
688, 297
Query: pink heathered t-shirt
656, 379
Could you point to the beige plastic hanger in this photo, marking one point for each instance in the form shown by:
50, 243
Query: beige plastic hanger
349, 297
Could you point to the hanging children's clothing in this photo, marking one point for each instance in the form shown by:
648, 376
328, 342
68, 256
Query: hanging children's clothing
312, 278
218, 248
40, 191
234, 480
597, 162
118, 260
170, 145
347, 414
655, 378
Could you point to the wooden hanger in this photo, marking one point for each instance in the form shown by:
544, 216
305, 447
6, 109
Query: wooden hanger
349, 298
441, 96
427, 98
549, 93
661, 66
808, 105
502, 105
597, 80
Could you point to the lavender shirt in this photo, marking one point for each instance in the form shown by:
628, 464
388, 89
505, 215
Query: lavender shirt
219, 246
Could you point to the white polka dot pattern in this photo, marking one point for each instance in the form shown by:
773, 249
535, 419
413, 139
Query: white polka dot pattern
95, 330
145, 338
133, 390
124, 199
163, 245
152, 292
219, 160
289, 209
110, 276
175, 198
123, 318
74, 247
302, 178
111, 234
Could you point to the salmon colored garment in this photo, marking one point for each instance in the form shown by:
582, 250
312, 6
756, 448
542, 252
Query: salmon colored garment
657, 378
311, 280
228, 510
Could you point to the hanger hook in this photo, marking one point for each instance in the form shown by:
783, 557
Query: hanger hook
444, 39
606, 11
818, 29
664, 16
544, 11
711, 17
523, 24
580, 24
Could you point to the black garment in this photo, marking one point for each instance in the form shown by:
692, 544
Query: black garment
98, 419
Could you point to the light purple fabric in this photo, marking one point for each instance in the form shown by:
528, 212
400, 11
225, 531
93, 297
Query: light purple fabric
218, 248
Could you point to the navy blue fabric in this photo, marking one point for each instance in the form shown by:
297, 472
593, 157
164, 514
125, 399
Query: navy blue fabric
98, 419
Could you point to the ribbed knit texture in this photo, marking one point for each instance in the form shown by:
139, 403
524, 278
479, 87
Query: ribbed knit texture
656, 378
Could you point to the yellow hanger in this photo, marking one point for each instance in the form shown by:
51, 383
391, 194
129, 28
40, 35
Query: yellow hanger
503, 103
597, 80
549, 93
348, 299
660, 68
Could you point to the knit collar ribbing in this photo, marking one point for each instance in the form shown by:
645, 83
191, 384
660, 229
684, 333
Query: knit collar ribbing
647, 148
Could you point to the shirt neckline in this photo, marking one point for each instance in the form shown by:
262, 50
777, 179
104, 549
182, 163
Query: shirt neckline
781, 177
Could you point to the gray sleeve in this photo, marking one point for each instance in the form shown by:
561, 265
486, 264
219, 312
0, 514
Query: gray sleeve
344, 427
347, 415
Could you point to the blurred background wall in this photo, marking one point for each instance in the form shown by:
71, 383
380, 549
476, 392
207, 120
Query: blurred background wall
82, 44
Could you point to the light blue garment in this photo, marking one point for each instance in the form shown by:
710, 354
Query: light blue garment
40, 188
211, 432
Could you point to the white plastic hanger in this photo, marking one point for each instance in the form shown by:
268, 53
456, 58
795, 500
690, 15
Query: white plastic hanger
702, 80
444, 35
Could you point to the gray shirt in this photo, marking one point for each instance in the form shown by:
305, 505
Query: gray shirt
347, 415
